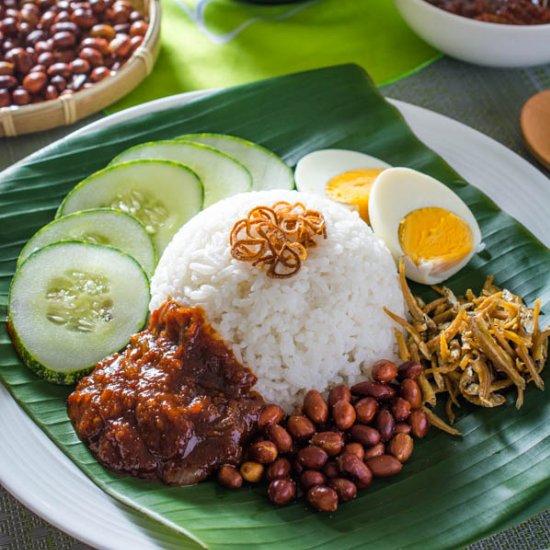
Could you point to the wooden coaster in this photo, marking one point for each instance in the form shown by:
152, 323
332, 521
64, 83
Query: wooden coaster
535, 126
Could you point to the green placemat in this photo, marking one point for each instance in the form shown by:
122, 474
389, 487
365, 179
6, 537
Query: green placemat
215, 43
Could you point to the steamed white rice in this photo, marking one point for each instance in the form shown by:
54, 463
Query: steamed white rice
321, 327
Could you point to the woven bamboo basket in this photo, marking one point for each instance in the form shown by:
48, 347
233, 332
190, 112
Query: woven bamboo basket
16, 121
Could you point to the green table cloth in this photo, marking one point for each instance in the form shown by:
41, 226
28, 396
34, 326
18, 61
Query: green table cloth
215, 43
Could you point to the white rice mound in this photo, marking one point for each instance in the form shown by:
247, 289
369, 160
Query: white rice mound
321, 327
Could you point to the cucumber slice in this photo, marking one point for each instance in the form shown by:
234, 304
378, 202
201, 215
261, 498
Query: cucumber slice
267, 169
221, 175
100, 226
71, 304
163, 195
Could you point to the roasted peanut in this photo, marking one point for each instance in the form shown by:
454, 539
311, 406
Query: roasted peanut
312, 458
401, 409
339, 393
119, 14
281, 491
279, 469
384, 371
343, 414
38, 69
62, 16
377, 450
7, 82
401, 447
382, 392
410, 391
279, 436
51, 92
355, 449
34, 37
80, 66
98, 6
365, 435
402, 428
345, 489
64, 39
384, 466
34, 83
229, 477
323, 498
9, 27
83, 18
6, 68
120, 45
92, 56
420, 424
270, 414
365, 409
99, 73
355, 468
252, 471
135, 42
264, 452
99, 44
59, 69
5, 98
331, 442
315, 407
21, 58
65, 26
20, 96
385, 424
410, 369
102, 30
46, 59
59, 82
330, 470
123, 28
64, 56
139, 28
300, 427
310, 478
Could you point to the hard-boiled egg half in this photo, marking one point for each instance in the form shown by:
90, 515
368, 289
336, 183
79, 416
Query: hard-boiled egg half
423, 221
341, 175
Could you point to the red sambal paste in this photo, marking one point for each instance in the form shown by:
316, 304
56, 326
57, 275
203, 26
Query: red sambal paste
511, 12
175, 405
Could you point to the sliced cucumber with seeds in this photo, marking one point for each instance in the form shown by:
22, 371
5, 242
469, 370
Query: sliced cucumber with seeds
71, 304
99, 226
163, 195
267, 169
221, 175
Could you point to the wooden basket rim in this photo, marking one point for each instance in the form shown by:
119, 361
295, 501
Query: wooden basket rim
144, 57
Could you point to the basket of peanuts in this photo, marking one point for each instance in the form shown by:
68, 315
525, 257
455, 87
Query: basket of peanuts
63, 60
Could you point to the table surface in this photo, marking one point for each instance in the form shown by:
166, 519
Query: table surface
488, 100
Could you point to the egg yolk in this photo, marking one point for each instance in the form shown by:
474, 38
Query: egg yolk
353, 188
435, 234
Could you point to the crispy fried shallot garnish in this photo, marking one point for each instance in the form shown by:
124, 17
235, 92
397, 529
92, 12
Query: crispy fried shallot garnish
277, 237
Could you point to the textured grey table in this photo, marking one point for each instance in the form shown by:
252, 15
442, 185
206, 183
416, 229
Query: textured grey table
486, 99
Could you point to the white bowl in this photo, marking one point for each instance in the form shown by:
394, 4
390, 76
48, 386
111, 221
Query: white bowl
490, 44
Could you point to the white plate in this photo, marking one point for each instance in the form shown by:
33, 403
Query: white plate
47, 482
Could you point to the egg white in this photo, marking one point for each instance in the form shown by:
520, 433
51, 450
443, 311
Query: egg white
315, 170
397, 192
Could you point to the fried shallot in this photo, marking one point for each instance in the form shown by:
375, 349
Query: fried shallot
277, 237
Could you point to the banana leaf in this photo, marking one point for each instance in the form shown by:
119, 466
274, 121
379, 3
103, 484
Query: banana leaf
453, 490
